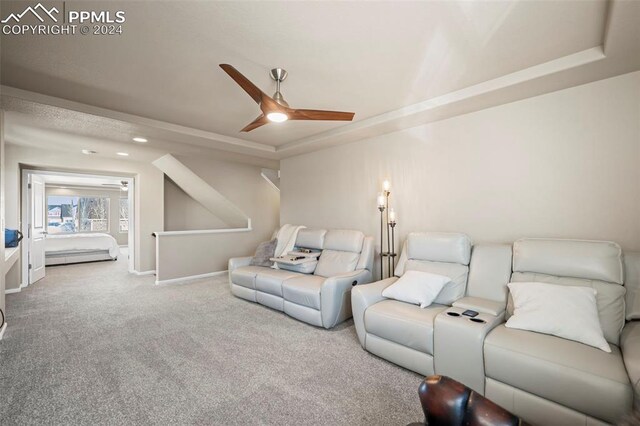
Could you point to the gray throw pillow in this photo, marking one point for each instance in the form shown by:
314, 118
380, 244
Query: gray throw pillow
264, 252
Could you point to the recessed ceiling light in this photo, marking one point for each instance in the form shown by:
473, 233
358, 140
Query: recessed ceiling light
124, 154
89, 151
139, 139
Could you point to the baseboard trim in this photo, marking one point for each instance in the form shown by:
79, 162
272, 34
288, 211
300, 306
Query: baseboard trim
4, 327
150, 272
190, 278
12, 290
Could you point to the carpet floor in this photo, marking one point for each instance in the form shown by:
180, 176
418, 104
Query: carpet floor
91, 344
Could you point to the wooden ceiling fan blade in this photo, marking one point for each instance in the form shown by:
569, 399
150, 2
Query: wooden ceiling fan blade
253, 91
317, 114
260, 121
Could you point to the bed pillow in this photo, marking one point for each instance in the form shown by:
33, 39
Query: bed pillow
564, 311
264, 252
416, 287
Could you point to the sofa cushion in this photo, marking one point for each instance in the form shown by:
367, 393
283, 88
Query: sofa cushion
332, 263
609, 299
403, 323
270, 280
303, 290
592, 260
577, 376
303, 268
311, 238
564, 311
439, 247
416, 287
245, 276
264, 253
344, 240
458, 274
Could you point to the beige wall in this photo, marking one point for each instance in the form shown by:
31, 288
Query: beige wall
149, 194
114, 206
565, 164
241, 184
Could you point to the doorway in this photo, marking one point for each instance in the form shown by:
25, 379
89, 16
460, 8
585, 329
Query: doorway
70, 218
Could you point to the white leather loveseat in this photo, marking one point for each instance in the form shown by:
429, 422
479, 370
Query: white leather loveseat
322, 298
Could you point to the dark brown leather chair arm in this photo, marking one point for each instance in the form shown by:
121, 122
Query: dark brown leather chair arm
446, 402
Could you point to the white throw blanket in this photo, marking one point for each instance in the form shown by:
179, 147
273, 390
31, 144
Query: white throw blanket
286, 236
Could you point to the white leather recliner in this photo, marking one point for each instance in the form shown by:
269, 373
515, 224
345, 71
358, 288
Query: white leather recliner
322, 298
546, 380
549, 380
401, 332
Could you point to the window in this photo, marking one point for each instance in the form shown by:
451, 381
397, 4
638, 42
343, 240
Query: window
69, 214
124, 215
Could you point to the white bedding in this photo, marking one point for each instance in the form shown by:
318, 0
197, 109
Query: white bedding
92, 241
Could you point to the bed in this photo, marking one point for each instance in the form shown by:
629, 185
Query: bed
77, 248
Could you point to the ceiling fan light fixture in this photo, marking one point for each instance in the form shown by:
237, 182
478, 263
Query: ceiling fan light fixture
277, 117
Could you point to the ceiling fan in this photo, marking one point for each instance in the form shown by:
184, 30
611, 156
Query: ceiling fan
276, 109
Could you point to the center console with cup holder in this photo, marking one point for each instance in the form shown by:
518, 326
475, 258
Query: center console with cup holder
458, 342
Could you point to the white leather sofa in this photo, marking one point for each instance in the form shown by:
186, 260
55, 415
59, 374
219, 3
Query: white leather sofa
550, 380
322, 298
401, 332
544, 379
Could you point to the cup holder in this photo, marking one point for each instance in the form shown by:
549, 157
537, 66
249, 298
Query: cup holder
453, 314
478, 320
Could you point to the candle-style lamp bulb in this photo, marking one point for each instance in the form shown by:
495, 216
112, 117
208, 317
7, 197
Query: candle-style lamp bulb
386, 185
392, 216
380, 201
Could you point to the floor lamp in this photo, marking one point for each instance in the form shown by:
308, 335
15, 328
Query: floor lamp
388, 224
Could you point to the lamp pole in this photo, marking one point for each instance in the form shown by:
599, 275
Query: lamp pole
381, 207
392, 254
389, 261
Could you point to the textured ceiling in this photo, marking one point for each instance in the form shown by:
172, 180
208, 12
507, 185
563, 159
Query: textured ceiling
374, 58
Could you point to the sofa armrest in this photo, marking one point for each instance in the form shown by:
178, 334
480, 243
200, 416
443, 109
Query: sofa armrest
335, 296
630, 345
238, 262
363, 296
481, 305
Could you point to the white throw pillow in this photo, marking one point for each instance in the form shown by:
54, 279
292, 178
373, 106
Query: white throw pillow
565, 311
416, 287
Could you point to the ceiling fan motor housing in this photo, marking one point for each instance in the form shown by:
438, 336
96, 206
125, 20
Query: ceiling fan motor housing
279, 75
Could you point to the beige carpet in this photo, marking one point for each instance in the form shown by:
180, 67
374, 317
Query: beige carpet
91, 344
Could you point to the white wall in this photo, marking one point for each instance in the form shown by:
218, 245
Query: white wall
565, 164
114, 196
243, 186
149, 193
